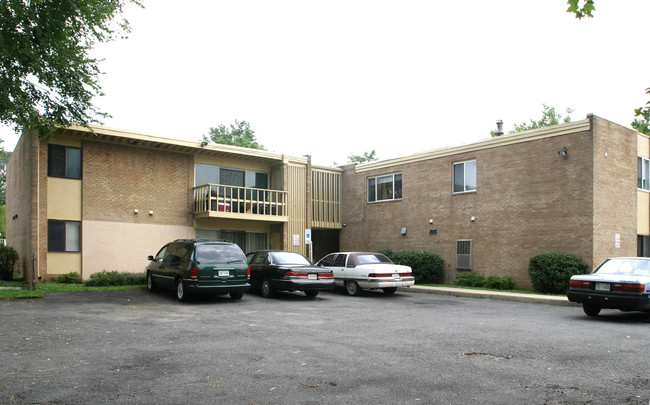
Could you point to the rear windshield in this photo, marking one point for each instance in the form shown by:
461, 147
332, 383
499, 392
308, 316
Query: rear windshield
219, 254
368, 258
289, 258
630, 267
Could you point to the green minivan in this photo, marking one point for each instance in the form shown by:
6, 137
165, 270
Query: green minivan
199, 266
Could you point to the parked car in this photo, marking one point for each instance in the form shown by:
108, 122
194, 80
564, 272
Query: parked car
199, 266
358, 271
276, 270
619, 283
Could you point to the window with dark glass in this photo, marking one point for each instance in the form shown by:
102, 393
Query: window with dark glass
384, 188
643, 173
464, 174
64, 161
63, 236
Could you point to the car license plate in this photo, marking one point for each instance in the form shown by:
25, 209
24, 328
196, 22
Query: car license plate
224, 273
312, 276
602, 287
395, 275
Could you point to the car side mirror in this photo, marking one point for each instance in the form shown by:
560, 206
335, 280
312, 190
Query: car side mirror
150, 258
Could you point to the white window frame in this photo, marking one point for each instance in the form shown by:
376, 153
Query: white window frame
453, 178
643, 173
376, 182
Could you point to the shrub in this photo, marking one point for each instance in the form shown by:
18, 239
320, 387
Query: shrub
110, 278
501, 282
70, 278
550, 272
8, 259
469, 280
428, 268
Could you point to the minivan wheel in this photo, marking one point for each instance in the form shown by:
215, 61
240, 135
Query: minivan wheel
267, 289
352, 288
311, 293
590, 309
150, 285
181, 294
236, 295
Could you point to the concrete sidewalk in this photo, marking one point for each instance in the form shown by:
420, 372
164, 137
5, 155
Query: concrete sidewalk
494, 295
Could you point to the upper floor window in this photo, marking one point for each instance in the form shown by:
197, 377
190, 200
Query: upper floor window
643, 173
64, 161
384, 188
464, 176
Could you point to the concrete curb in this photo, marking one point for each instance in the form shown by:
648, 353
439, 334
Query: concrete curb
493, 295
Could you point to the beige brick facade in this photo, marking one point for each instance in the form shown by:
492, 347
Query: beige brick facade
529, 200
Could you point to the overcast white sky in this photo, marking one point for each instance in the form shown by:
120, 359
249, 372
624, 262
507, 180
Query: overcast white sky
331, 78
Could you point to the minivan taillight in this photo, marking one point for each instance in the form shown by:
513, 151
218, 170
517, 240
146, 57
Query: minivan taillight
194, 273
248, 272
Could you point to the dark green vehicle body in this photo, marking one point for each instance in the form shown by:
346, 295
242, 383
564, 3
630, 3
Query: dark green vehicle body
199, 266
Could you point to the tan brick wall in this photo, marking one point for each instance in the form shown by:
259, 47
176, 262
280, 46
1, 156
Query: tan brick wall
529, 201
21, 201
615, 190
120, 179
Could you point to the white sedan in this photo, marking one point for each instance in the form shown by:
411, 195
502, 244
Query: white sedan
619, 283
358, 271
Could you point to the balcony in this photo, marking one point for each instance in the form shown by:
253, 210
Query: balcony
222, 201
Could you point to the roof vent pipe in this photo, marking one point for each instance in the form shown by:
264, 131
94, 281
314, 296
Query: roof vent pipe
499, 128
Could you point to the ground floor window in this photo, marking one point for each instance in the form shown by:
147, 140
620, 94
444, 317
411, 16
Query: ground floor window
63, 236
643, 246
247, 241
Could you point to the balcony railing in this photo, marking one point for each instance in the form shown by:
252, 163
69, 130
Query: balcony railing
240, 202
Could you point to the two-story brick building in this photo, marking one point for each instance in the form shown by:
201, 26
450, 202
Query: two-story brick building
488, 207
90, 201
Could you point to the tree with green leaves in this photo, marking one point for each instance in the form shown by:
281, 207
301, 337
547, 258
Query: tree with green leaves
239, 134
581, 8
549, 117
643, 125
365, 158
47, 76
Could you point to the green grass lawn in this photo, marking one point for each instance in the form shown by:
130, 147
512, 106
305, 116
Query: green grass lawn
41, 288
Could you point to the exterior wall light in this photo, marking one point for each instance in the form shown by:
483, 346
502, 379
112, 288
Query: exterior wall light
403, 231
135, 211
564, 153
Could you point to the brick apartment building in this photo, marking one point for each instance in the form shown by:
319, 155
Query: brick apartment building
87, 202
488, 207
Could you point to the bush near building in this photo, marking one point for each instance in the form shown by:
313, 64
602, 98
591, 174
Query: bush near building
69, 278
550, 272
114, 278
428, 268
8, 259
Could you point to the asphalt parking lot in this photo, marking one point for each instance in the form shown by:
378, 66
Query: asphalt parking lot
143, 348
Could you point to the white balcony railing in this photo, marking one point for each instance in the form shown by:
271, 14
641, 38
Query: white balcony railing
219, 199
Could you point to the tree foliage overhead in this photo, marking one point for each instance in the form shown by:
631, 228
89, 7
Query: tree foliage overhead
549, 117
366, 157
643, 125
47, 75
581, 8
239, 134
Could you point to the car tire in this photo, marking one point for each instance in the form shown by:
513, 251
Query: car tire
267, 289
311, 293
389, 290
352, 288
181, 292
236, 295
150, 284
590, 309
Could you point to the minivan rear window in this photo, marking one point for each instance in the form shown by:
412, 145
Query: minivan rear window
219, 254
